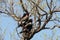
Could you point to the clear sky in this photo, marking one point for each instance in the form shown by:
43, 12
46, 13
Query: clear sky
8, 26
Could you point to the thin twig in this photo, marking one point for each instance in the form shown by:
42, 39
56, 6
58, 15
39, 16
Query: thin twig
38, 7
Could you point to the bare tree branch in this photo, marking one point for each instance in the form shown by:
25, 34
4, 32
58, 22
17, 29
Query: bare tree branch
37, 15
38, 6
48, 5
23, 6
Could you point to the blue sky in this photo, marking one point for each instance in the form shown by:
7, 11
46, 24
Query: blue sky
8, 24
8, 28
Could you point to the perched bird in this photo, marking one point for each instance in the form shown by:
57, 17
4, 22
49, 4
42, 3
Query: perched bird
27, 27
24, 19
26, 23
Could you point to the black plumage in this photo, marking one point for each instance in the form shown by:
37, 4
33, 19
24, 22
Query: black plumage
24, 19
28, 27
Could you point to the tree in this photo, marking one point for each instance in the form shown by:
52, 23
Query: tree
39, 12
